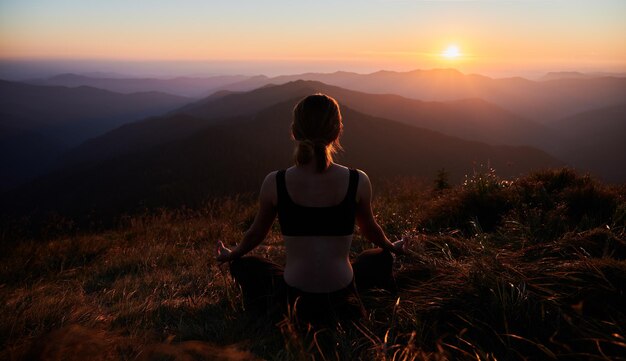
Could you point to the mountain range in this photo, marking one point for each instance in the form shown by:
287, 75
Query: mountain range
540, 101
232, 155
195, 87
154, 149
596, 141
555, 96
471, 119
578, 75
38, 123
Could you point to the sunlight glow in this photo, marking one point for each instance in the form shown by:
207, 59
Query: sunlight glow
475, 36
451, 52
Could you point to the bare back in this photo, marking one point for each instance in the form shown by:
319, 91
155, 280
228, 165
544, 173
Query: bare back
318, 263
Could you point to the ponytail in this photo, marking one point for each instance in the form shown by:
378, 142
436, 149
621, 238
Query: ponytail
307, 150
316, 126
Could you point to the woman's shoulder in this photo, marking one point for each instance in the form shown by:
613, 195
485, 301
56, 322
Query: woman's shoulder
270, 179
361, 172
268, 188
272, 174
364, 186
363, 177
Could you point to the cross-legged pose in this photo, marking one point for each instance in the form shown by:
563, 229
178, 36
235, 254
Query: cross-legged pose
317, 202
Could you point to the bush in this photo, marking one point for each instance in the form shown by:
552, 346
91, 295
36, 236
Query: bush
477, 206
554, 202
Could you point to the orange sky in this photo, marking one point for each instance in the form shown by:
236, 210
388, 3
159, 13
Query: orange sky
389, 34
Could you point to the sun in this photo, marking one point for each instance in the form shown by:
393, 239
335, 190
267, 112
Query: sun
451, 52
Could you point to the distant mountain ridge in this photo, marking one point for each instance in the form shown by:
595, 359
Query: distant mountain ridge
555, 96
228, 157
74, 114
471, 119
597, 141
578, 75
195, 87
540, 101
226, 142
63, 117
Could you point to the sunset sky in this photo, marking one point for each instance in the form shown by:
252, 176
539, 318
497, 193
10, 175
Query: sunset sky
289, 36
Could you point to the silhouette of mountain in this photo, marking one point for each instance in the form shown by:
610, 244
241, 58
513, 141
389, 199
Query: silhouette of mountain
578, 75
219, 107
24, 154
541, 101
233, 155
105, 74
183, 86
471, 119
60, 117
565, 75
74, 114
135, 137
596, 141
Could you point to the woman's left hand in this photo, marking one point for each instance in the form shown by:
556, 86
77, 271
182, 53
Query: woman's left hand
223, 253
402, 245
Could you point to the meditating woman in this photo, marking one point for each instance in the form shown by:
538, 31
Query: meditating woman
317, 202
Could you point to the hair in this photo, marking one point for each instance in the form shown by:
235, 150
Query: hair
316, 127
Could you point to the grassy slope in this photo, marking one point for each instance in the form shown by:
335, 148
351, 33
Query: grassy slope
530, 269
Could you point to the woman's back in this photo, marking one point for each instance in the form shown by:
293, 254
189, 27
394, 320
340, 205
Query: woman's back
309, 188
318, 203
316, 212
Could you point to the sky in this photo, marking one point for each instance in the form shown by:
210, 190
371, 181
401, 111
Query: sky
189, 37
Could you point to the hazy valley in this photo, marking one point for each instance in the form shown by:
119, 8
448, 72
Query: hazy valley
99, 151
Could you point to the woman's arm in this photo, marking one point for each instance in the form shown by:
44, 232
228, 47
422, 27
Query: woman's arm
261, 225
366, 221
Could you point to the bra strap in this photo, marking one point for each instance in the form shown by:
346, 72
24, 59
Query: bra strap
281, 188
353, 184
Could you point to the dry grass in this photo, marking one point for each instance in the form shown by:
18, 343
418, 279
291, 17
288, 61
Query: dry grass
530, 269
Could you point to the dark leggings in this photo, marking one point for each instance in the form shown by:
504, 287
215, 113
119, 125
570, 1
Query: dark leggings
264, 289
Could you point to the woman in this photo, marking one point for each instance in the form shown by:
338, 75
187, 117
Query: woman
317, 203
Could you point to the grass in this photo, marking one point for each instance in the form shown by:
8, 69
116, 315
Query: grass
532, 268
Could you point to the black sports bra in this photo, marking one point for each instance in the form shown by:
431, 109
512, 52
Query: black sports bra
297, 220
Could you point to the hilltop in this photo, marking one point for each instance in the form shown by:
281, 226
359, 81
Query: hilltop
529, 269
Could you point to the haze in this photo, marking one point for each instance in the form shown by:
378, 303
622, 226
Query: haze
192, 37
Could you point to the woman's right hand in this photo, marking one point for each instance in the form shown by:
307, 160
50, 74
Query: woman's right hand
223, 253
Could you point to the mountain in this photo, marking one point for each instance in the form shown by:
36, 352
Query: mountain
471, 119
540, 101
578, 75
38, 122
566, 75
195, 87
596, 141
229, 157
72, 115
24, 154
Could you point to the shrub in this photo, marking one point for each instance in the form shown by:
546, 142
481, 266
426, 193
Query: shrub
554, 202
477, 206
